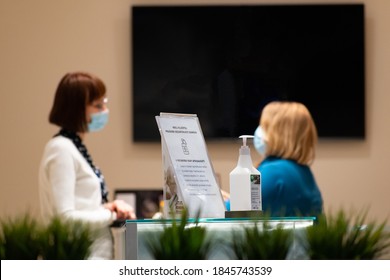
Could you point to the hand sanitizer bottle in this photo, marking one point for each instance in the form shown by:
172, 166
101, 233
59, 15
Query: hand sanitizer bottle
245, 182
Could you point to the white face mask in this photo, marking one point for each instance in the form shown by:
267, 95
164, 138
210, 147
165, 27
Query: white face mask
98, 121
258, 141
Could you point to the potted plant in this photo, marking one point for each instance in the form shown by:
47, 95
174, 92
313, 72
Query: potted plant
346, 237
23, 238
261, 243
20, 238
180, 240
67, 240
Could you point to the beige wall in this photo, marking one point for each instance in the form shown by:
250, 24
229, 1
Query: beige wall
43, 39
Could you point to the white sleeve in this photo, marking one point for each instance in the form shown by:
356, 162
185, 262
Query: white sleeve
61, 174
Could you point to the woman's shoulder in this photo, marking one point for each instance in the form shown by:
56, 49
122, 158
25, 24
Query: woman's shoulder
277, 161
60, 145
59, 142
279, 165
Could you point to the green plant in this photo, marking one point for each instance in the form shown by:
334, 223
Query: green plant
180, 240
262, 244
67, 240
343, 237
23, 238
20, 238
2, 250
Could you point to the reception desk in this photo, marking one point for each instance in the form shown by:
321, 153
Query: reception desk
136, 233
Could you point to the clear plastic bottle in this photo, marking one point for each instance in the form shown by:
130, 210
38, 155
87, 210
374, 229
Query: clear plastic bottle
245, 182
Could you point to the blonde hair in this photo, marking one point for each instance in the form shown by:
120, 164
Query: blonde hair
290, 131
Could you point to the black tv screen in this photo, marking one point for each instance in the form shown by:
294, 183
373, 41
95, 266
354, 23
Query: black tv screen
225, 63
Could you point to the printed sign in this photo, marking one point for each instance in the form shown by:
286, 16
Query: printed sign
189, 178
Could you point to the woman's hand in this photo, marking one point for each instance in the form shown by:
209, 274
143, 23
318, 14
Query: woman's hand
123, 210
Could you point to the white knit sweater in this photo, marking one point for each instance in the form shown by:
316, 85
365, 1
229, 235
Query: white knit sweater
69, 187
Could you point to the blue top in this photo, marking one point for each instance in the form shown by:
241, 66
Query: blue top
288, 189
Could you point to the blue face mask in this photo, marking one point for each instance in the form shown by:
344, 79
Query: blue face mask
98, 121
258, 141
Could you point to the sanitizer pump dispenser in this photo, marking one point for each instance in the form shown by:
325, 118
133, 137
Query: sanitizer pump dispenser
245, 182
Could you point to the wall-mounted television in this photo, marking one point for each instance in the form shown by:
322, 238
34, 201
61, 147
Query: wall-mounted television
226, 62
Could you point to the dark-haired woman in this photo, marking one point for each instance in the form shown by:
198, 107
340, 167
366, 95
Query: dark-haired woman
71, 185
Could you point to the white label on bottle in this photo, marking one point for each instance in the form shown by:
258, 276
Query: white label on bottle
255, 192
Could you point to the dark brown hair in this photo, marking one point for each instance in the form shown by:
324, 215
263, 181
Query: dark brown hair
75, 91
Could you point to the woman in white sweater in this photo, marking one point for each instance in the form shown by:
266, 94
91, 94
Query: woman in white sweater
70, 184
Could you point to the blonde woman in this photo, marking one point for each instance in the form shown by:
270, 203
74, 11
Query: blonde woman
286, 138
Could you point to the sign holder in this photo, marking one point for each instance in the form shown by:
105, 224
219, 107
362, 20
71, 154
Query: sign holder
189, 177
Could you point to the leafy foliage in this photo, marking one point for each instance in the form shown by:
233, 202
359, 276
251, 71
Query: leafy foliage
67, 240
262, 244
23, 238
181, 240
20, 238
339, 237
